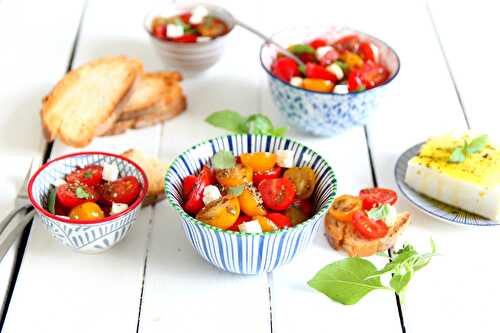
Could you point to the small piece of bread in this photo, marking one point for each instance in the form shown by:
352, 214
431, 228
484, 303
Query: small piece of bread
89, 99
155, 171
342, 235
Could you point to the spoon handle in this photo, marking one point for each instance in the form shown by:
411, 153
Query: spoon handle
270, 41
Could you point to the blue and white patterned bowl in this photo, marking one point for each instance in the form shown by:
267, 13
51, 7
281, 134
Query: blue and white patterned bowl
80, 235
318, 113
245, 253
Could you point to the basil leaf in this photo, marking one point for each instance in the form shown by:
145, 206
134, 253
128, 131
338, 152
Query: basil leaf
302, 70
259, 124
399, 282
81, 193
300, 49
457, 156
51, 201
236, 190
229, 120
87, 174
477, 144
345, 281
279, 131
223, 160
379, 213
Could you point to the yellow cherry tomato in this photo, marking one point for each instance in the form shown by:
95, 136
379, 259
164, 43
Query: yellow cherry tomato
86, 211
221, 213
259, 162
318, 85
251, 202
304, 180
344, 206
351, 59
238, 175
265, 224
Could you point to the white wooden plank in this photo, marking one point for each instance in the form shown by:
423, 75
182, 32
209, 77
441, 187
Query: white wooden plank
452, 294
29, 63
105, 287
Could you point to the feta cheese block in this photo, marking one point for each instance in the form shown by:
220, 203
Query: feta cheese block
284, 158
252, 226
117, 208
110, 172
211, 193
472, 185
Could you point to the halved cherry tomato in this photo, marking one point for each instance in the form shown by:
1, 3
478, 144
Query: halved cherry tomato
86, 211
277, 194
308, 57
235, 176
71, 195
265, 224
251, 202
188, 185
295, 215
329, 57
269, 174
366, 52
123, 190
344, 207
90, 175
285, 68
280, 220
354, 81
369, 75
160, 31
259, 161
318, 42
185, 39
368, 228
212, 27
374, 197
347, 43
185, 17
241, 219
221, 213
352, 60
194, 202
304, 180
305, 206
318, 85
315, 71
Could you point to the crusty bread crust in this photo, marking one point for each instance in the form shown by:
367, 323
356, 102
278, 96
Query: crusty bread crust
342, 235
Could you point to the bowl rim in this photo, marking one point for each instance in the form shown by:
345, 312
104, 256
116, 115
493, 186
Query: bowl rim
173, 202
111, 218
396, 72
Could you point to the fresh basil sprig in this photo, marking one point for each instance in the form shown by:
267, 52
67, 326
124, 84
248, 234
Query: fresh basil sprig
348, 280
459, 154
236, 123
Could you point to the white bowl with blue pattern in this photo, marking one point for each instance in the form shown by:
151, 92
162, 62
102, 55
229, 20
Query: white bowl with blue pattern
85, 236
319, 113
246, 253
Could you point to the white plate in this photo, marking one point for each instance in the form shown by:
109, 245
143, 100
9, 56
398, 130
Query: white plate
430, 206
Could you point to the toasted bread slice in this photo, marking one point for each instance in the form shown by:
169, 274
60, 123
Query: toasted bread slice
87, 101
155, 171
342, 235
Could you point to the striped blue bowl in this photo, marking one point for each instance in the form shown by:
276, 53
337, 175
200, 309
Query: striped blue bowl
245, 253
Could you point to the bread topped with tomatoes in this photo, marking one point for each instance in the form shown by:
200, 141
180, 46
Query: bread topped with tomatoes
366, 224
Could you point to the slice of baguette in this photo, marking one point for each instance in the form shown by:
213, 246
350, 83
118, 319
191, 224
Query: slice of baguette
342, 235
155, 171
88, 100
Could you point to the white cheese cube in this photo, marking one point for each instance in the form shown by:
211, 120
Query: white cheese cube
210, 193
341, 89
117, 208
297, 81
174, 31
58, 182
110, 172
321, 51
250, 226
197, 14
336, 70
284, 158
202, 39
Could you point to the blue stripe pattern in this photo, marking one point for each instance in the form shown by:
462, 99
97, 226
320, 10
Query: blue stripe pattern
249, 253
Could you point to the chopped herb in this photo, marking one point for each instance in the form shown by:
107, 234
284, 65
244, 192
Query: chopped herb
87, 175
81, 193
460, 153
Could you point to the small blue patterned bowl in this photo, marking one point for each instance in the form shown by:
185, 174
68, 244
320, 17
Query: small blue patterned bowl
244, 253
81, 235
317, 113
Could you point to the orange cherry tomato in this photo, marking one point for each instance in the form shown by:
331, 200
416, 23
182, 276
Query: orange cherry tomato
352, 60
318, 85
221, 213
251, 202
238, 175
260, 161
265, 224
86, 211
212, 27
304, 180
344, 207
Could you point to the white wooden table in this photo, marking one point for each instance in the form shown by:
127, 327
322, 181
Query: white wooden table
154, 281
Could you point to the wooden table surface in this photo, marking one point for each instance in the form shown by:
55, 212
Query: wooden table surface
154, 281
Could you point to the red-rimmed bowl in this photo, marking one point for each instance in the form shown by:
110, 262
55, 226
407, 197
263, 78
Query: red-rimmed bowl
85, 236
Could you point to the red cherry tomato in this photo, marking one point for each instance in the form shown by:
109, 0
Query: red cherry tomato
71, 195
123, 190
314, 71
318, 42
354, 81
329, 57
374, 197
347, 43
160, 31
242, 218
90, 175
366, 52
280, 220
277, 194
187, 185
367, 227
285, 68
308, 57
185, 17
194, 202
185, 39
305, 206
369, 75
269, 174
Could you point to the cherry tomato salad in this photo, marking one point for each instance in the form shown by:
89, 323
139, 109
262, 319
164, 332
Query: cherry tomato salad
253, 192
92, 192
190, 27
349, 64
371, 213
